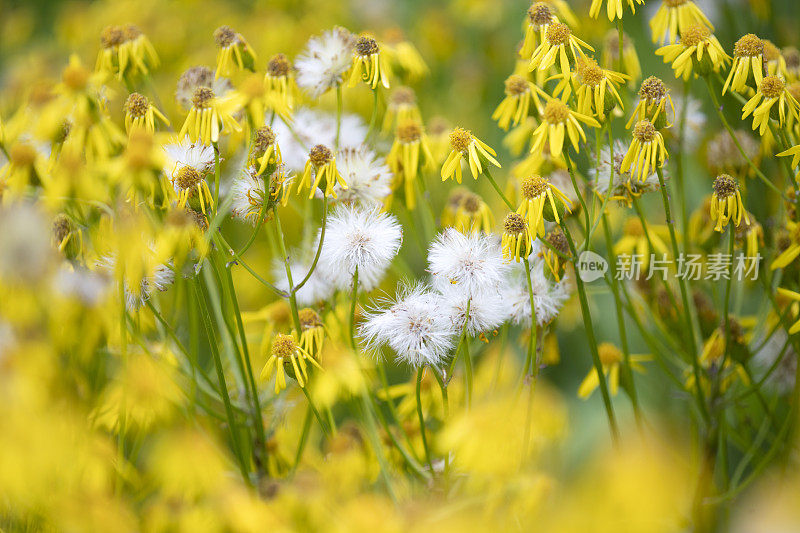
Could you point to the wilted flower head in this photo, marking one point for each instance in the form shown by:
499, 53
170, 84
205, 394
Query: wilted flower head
412, 325
359, 241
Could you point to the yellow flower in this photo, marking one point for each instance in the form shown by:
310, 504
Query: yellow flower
125, 51
279, 84
467, 212
404, 55
312, 331
139, 113
322, 165
369, 64
726, 203
792, 295
286, 354
465, 145
774, 62
559, 46
410, 151
792, 249
698, 50
611, 358
402, 106
556, 253
750, 235
613, 8
794, 151
646, 152
189, 181
139, 169
516, 242
597, 93
560, 120
637, 240
536, 192
630, 59
653, 100
539, 19
253, 98
209, 116
771, 91
748, 56
26, 166
265, 149
791, 58
517, 103
675, 16
234, 53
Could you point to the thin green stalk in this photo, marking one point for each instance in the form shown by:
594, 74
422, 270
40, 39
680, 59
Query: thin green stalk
420, 371
217, 177
488, 175
580, 199
319, 246
285, 259
315, 411
301, 444
374, 118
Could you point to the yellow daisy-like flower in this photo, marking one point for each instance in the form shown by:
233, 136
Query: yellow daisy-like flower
312, 330
253, 99
792, 249
539, 19
140, 113
794, 152
286, 354
404, 55
559, 46
698, 51
234, 53
611, 358
748, 56
726, 203
278, 84
771, 91
402, 106
467, 212
636, 241
774, 62
653, 101
265, 149
596, 90
750, 236
675, 16
140, 50
410, 152
646, 152
209, 116
321, 165
630, 59
536, 192
791, 295
516, 242
517, 103
556, 253
465, 145
613, 8
125, 51
369, 64
560, 121
189, 181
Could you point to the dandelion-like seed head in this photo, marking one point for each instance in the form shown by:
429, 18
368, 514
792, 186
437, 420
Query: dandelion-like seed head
278, 66
558, 34
609, 354
559, 242
366, 46
556, 112
653, 89
514, 224
771, 52
75, 76
283, 346
62, 227
644, 131
588, 71
320, 155
516, 85
202, 97
22, 154
772, 86
471, 202
137, 105
409, 131
748, 46
540, 14
309, 318
460, 139
187, 177
112, 36
533, 187
224, 36
694, 35
263, 139
403, 95
725, 186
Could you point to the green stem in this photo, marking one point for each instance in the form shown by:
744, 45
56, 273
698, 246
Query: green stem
496, 187
217, 177
319, 246
420, 371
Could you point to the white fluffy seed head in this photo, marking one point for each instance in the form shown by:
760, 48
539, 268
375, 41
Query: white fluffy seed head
412, 325
548, 296
324, 61
359, 239
472, 263
482, 312
368, 178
